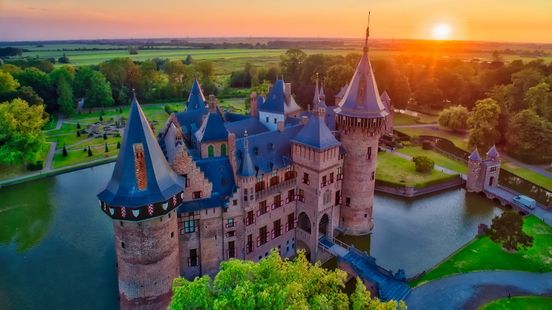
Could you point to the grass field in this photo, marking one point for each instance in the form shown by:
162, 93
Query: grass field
520, 302
459, 139
397, 170
483, 254
439, 159
527, 174
403, 119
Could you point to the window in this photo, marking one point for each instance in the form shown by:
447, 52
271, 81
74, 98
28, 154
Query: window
373, 175
235, 202
190, 226
231, 233
274, 180
192, 259
291, 195
250, 218
172, 234
289, 175
223, 150
249, 245
369, 153
331, 177
231, 249
493, 169
347, 202
337, 198
245, 194
290, 221
263, 207
277, 232
301, 195
306, 178
196, 195
275, 120
211, 151
263, 238
122, 245
267, 119
324, 181
339, 173
230, 222
277, 201
259, 186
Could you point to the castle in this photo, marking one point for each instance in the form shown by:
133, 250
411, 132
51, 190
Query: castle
483, 173
215, 185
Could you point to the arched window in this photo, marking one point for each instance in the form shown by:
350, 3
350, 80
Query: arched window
223, 150
211, 151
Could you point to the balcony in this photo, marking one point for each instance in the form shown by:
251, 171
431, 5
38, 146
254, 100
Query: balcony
277, 189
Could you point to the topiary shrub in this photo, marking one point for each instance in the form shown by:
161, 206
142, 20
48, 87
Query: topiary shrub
35, 166
423, 164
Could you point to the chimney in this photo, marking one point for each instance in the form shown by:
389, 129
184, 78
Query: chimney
304, 119
231, 151
212, 103
253, 107
280, 125
269, 88
287, 92
321, 113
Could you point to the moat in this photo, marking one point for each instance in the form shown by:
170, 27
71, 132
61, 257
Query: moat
56, 246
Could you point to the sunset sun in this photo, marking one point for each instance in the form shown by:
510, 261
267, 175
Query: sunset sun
441, 31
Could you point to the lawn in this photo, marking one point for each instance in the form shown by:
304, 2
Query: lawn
483, 254
520, 302
403, 119
397, 170
438, 158
528, 174
79, 156
459, 139
236, 105
11, 171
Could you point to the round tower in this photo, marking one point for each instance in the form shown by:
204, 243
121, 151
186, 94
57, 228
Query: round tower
141, 198
361, 120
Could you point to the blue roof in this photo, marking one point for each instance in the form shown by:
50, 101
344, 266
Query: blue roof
162, 181
276, 102
251, 124
268, 150
316, 134
246, 168
234, 117
475, 155
190, 121
212, 128
492, 153
196, 99
362, 98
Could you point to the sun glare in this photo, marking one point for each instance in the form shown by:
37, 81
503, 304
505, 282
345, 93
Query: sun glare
441, 31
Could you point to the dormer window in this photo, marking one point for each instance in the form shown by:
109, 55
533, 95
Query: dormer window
140, 166
256, 150
270, 146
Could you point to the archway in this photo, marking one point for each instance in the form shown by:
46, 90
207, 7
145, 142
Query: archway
491, 181
323, 225
211, 151
304, 222
223, 150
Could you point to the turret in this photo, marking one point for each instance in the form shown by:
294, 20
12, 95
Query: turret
473, 182
141, 198
361, 119
492, 154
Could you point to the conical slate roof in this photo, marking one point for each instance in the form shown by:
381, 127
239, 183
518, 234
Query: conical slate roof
247, 168
474, 156
196, 99
362, 98
492, 153
212, 128
316, 134
162, 182
276, 101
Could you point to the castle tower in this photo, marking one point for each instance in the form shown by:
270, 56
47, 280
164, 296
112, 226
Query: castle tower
491, 168
141, 198
315, 153
474, 172
361, 120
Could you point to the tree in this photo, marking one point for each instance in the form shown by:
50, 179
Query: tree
272, 283
188, 60
483, 123
336, 77
21, 137
133, 50
537, 98
106, 148
28, 94
206, 68
40, 82
78, 125
64, 59
454, 118
118, 144
89, 152
291, 63
7, 83
529, 137
98, 93
65, 99
64, 152
507, 230
423, 164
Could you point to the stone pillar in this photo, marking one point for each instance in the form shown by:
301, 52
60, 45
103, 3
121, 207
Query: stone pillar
148, 261
212, 103
287, 92
253, 106
359, 168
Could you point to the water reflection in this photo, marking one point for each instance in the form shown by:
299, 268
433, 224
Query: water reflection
25, 214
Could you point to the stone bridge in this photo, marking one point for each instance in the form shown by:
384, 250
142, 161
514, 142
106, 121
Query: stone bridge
379, 281
505, 197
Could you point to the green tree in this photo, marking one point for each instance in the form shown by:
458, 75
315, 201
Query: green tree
506, 230
64, 59
454, 118
188, 60
483, 123
529, 137
538, 99
337, 76
65, 100
40, 82
272, 283
205, 68
93, 86
21, 137
7, 83
291, 63
423, 164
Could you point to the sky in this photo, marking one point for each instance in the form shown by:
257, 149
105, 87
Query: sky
482, 20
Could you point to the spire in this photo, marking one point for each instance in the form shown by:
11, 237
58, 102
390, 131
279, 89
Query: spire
316, 134
316, 97
247, 168
492, 154
196, 99
141, 175
474, 156
367, 35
